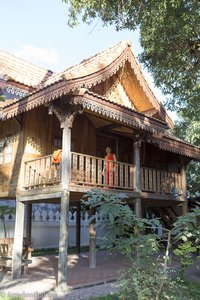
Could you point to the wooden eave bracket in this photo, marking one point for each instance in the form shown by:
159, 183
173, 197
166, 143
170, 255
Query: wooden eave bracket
18, 120
65, 115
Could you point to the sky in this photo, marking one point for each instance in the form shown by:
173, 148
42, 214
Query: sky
37, 30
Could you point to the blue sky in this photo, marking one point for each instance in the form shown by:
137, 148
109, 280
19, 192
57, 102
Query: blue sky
37, 30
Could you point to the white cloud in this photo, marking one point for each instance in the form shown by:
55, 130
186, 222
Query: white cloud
46, 57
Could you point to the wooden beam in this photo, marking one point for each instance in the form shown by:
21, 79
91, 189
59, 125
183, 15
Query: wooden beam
78, 227
92, 242
18, 241
108, 127
63, 243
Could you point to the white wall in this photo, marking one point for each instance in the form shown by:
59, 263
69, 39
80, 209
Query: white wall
45, 234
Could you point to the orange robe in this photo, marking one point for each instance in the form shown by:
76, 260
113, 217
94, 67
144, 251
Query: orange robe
110, 167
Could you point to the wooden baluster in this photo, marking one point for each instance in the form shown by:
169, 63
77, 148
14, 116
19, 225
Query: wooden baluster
81, 168
146, 179
74, 167
116, 174
154, 181
126, 176
32, 174
111, 174
159, 183
142, 179
42, 171
105, 172
88, 166
121, 177
99, 170
170, 180
150, 181
131, 177
48, 175
36, 173
179, 184
27, 172
162, 179
174, 185
94, 170
166, 182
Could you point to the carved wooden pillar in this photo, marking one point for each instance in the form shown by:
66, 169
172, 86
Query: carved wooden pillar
78, 227
92, 242
63, 242
28, 226
64, 210
66, 118
18, 240
136, 159
184, 187
66, 153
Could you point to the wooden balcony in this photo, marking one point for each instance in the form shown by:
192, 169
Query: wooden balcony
97, 172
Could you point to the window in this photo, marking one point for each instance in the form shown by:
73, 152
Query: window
6, 153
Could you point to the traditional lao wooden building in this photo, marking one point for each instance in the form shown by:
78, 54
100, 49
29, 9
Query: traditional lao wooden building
102, 102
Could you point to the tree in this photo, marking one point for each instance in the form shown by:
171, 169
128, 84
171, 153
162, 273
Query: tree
5, 210
169, 35
188, 128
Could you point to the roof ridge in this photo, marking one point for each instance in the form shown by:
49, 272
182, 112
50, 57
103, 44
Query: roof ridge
90, 59
128, 43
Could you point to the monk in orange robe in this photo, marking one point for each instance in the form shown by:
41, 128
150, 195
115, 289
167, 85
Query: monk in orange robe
109, 167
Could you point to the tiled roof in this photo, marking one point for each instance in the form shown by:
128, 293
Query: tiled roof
21, 71
91, 65
7, 102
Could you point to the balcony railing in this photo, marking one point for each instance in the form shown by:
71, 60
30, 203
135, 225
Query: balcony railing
97, 172
41, 172
161, 182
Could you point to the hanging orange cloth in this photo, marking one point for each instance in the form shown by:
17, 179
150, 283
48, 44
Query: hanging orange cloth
57, 156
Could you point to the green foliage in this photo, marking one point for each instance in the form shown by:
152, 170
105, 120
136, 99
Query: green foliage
186, 233
147, 277
187, 227
2, 98
6, 210
107, 297
169, 35
185, 252
188, 128
119, 220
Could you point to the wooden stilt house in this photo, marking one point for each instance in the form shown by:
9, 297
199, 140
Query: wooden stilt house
102, 102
